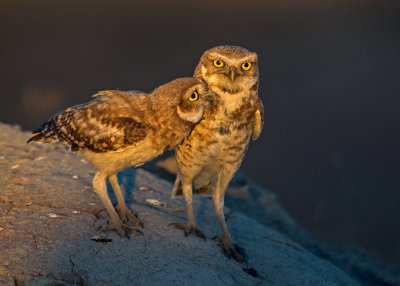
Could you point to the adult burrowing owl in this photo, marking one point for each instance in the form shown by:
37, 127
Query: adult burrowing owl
213, 152
119, 129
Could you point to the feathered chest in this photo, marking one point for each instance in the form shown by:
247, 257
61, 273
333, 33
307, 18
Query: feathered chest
233, 116
225, 126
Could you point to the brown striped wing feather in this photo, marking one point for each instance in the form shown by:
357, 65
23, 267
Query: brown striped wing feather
101, 125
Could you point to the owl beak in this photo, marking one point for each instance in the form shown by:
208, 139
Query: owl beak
232, 75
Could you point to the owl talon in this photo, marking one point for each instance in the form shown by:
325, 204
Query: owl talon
127, 216
231, 249
132, 231
122, 229
189, 229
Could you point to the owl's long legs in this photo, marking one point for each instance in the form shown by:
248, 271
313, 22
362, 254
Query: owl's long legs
100, 187
123, 210
188, 193
190, 226
177, 190
228, 247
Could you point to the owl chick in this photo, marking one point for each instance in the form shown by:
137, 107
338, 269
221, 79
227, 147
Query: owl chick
119, 129
213, 152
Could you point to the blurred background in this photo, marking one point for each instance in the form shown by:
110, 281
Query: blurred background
329, 74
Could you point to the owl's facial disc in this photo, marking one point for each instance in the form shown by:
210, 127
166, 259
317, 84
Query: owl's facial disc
229, 74
229, 80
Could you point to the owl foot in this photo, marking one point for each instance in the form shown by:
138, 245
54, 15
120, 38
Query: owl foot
122, 229
126, 216
188, 229
231, 249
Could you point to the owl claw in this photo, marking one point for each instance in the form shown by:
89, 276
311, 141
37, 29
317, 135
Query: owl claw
231, 249
122, 229
127, 216
189, 229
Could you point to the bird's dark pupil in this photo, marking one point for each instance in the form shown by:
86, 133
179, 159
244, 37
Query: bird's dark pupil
246, 65
218, 63
193, 95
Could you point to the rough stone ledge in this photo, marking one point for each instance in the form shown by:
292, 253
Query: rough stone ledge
49, 215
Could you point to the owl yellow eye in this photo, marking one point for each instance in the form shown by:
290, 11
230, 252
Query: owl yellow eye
218, 63
246, 66
194, 96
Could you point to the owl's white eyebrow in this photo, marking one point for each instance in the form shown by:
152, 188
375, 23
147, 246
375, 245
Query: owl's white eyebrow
232, 61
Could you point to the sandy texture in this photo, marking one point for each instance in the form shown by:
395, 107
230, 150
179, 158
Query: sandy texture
49, 213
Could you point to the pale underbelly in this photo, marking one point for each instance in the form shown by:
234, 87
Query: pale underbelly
114, 162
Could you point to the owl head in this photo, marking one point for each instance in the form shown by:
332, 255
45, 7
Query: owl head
228, 69
188, 96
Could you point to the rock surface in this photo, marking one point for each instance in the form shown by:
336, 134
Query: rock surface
49, 215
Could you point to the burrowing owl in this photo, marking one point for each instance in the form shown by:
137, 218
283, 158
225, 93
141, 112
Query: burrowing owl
213, 152
119, 129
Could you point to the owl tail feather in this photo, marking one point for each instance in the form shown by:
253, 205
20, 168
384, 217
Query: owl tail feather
38, 137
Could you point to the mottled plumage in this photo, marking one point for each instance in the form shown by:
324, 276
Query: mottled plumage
117, 130
213, 152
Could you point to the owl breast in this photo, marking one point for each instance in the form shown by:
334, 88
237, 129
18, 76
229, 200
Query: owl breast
219, 139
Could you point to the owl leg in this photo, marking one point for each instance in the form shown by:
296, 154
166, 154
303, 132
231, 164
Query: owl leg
229, 248
123, 210
191, 226
100, 187
177, 190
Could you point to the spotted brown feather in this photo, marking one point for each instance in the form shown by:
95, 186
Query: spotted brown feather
92, 126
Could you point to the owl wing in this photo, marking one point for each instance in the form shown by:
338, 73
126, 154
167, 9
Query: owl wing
108, 123
118, 93
259, 118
